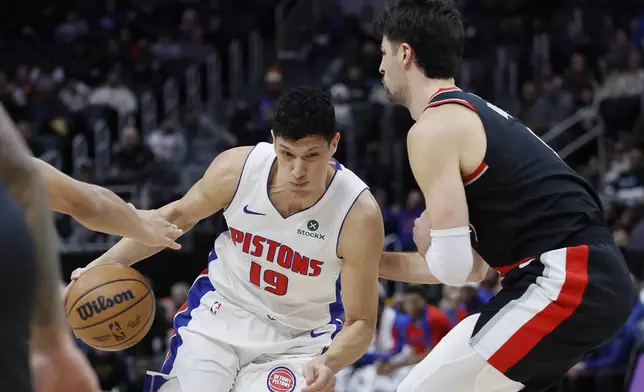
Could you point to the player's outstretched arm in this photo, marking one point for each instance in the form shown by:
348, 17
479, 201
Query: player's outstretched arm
99, 209
360, 246
435, 145
19, 172
411, 267
56, 362
213, 192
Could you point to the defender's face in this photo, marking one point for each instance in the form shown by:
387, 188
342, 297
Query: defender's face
302, 165
392, 71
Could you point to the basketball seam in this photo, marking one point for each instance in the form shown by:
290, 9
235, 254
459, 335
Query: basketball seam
117, 314
149, 320
101, 285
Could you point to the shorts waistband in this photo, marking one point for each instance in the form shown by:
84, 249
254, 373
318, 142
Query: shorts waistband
589, 235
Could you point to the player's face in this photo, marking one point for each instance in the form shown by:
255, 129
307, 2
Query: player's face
302, 165
413, 304
391, 68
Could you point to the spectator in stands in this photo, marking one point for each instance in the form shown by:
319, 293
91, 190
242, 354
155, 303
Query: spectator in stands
178, 296
169, 147
72, 29
166, 49
189, 23
114, 94
382, 198
527, 109
273, 89
637, 318
74, 95
490, 286
627, 187
132, 162
199, 128
416, 331
578, 77
47, 113
619, 50
340, 95
406, 216
35, 145
554, 105
606, 366
23, 85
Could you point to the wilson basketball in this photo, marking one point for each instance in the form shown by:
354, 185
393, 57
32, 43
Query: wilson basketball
110, 307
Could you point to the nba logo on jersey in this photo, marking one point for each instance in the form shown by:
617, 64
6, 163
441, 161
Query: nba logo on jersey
215, 307
281, 379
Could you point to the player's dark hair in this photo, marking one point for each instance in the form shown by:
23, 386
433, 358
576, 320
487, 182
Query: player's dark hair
304, 111
432, 28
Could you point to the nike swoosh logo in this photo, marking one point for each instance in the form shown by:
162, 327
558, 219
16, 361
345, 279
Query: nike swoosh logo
317, 335
246, 210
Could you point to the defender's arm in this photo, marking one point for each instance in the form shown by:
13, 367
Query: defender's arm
99, 209
213, 192
25, 184
411, 267
435, 145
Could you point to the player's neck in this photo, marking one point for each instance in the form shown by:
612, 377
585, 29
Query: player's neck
288, 205
420, 92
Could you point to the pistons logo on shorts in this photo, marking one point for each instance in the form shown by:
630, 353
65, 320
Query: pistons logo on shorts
281, 379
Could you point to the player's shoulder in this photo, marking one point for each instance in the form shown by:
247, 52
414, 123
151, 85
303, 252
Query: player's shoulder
449, 122
362, 224
227, 167
364, 211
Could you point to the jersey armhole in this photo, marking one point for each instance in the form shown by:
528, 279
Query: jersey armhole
337, 241
457, 101
482, 167
240, 181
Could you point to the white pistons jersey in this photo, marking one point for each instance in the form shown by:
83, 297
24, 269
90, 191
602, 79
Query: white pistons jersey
283, 269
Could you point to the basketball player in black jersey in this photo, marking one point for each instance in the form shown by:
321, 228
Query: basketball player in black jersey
490, 184
30, 287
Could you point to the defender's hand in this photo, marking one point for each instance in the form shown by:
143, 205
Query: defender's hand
157, 231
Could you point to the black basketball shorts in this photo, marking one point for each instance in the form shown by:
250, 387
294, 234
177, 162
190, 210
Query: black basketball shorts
553, 309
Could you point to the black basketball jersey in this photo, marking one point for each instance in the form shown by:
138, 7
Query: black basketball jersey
523, 199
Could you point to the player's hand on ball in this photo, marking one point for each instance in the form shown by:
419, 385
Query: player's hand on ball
157, 231
319, 378
75, 275
62, 369
422, 226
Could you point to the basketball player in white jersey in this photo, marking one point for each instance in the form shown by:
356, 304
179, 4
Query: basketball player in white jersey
263, 315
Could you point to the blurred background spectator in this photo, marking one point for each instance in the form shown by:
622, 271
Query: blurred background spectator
141, 96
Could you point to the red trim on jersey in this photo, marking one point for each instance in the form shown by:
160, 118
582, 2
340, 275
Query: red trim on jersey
452, 100
505, 269
444, 90
476, 174
544, 322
